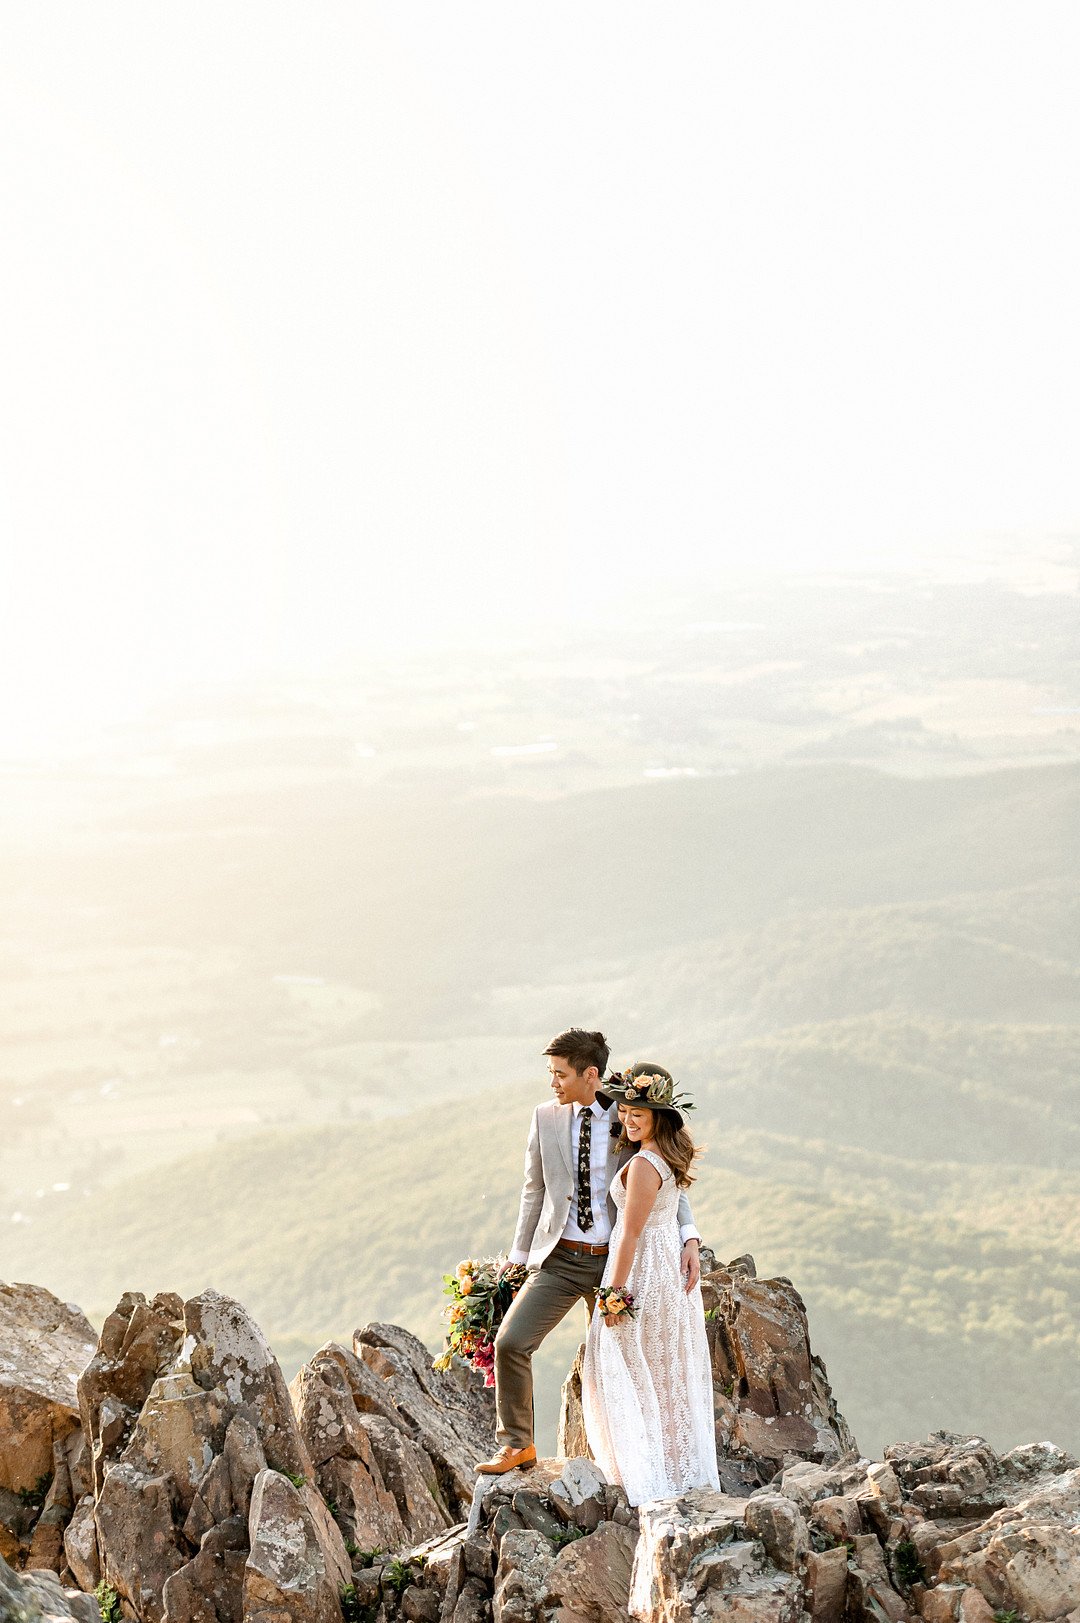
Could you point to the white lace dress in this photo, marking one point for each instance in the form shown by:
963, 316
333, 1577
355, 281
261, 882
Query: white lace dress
647, 1385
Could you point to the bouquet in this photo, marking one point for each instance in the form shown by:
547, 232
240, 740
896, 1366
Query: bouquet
615, 1300
478, 1304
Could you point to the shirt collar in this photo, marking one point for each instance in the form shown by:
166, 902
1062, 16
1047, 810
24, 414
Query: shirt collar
596, 1107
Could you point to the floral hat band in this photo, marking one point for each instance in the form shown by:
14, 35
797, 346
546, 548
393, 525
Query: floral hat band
652, 1089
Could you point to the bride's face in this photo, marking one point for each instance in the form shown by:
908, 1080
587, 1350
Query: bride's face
638, 1125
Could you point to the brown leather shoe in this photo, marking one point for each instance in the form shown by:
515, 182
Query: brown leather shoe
507, 1459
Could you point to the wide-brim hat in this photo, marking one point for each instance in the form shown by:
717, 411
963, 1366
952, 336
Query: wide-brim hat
649, 1087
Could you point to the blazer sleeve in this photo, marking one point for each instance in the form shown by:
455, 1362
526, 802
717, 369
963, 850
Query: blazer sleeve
532, 1196
687, 1229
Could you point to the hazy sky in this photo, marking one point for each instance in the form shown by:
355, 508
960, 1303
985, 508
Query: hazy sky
327, 325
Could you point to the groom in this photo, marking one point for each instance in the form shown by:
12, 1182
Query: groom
563, 1228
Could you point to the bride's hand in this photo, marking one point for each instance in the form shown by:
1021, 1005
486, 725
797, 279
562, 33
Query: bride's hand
611, 1320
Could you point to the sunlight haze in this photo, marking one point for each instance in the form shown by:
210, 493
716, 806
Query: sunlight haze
365, 327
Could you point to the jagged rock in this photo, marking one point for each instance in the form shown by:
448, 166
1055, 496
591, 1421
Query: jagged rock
532, 1512
837, 1517
39, 1597
80, 1545
230, 1355
590, 1578
410, 1477
809, 1484
180, 1430
1026, 1558
826, 1585
245, 1458
186, 1405
779, 1525
883, 1482
369, 1459
16, 1524
579, 1494
941, 1605
366, 1585
44, 1344
184, 1410
138, 1541
974, 1608
870, 1590
297, 1566
472, 1605
450, 1414
773, 1399
440, 1574
525, 1560
209, 1589
419, 1605
1025, 1555
138, 1343
571, 1441
677, 1540
47, 1539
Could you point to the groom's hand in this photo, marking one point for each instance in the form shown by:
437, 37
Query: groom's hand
691, 1264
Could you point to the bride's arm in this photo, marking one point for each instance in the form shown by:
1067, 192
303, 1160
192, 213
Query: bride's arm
642, 1187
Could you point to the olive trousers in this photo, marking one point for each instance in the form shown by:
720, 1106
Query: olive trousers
563, 1278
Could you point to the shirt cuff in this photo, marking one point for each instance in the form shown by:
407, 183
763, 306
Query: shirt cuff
689, 1232
520, 1257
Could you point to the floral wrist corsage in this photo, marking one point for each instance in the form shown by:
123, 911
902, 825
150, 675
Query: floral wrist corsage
616, 1301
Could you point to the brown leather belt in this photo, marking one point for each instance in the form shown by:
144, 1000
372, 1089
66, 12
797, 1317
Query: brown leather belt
583, 1246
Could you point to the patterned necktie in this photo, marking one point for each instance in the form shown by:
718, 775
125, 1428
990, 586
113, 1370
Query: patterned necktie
584, 1172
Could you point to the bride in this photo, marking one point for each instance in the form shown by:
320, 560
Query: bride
647, 1382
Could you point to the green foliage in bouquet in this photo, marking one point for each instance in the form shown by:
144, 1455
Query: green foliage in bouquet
479, 1300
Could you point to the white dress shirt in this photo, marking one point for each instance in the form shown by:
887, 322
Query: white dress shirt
600, 1233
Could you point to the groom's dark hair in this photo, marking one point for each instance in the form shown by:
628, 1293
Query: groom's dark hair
581, 1048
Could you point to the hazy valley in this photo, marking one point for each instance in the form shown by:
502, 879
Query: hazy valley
275, 980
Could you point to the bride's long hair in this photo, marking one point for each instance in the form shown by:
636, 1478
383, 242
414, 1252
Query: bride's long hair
673, 1143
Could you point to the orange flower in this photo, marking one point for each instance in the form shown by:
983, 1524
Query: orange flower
615, 1304
466, 1286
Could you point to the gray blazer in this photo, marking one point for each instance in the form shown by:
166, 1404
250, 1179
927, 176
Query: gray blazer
551, 1182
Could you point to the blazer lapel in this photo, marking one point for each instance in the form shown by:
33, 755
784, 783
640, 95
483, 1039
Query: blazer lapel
563, 1123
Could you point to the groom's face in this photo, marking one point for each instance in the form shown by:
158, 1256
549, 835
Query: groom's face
572, 1087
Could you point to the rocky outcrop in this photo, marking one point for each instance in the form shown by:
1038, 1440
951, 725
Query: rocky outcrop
450, 1415
697, 1558
1005, 1527
138, 1343
851, 1542
201, 1487
552, 1543
39, 1597
771, 1392
297, 1567
44, 1344
194, 1487
393, 1441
